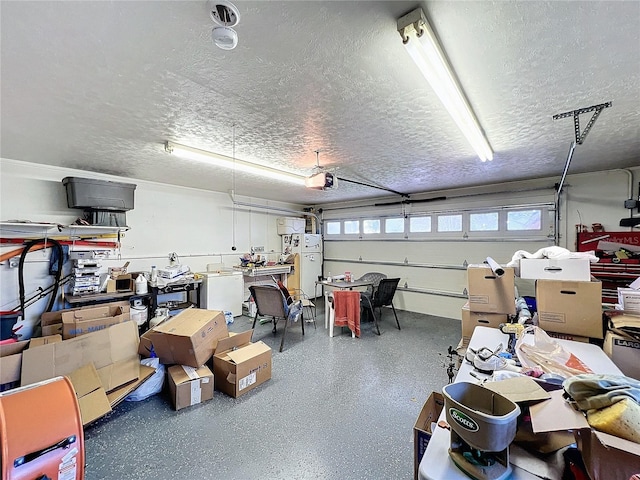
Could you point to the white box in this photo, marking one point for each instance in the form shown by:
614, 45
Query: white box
571, 269
289, 225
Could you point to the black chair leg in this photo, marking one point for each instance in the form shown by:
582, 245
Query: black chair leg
284, 333
394, 314
375, 319
302, 322
255, 319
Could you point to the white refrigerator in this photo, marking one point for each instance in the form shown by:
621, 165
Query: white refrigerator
309, 248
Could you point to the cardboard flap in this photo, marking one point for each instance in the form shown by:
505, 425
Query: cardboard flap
119, 394
85, 380
247, 352
93, 406
119, 373
556, 414
13, 348
183, 373
618, 443
229, 343
187, 322
519, 389
92, 398
37, 341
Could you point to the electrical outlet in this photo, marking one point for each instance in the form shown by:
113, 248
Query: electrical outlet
258, 249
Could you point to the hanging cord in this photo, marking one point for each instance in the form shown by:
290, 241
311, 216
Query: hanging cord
60, 257
233, 192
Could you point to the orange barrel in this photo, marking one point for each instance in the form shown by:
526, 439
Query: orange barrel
41, 433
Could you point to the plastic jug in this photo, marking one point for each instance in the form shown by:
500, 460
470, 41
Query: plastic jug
141, 285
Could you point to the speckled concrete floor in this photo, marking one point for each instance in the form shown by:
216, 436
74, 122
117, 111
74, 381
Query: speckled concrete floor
335, 409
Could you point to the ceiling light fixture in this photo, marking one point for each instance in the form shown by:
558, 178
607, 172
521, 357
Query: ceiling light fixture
226, 15
430, 59
234, 164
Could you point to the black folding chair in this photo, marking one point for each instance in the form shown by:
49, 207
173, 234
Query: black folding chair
382, 297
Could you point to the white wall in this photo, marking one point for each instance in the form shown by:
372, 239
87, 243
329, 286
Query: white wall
197, 225
588, 198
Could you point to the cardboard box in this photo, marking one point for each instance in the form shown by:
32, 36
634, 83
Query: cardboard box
189, 338
624, 352
570, 307
624, 324
92, 398
91, 319
239, 366
51, 322
629, 300
37, 341
606, 456
568, 336
11, 363
55, 329
422, 429
471, 320
190, 386
573, 269
490, 293
122, 283
113, 351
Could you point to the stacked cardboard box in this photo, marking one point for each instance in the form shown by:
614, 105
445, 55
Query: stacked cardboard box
569, 303
570, 307
491, 299
189, 340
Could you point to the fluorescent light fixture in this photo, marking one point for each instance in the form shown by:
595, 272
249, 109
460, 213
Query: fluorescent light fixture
430, 59
198, 155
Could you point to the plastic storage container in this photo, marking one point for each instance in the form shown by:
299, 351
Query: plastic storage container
7, 321
98, 194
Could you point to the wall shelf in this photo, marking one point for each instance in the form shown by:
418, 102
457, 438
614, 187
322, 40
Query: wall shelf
32, 230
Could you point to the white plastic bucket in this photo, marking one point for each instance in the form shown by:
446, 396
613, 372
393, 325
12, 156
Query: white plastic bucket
139, 315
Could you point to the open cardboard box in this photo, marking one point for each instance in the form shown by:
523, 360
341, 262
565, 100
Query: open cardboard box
239, 365
624, 351
11, 363
605, 456
51, 322
422, 431
92, 319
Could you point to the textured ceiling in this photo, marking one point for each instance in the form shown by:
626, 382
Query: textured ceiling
100, 86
